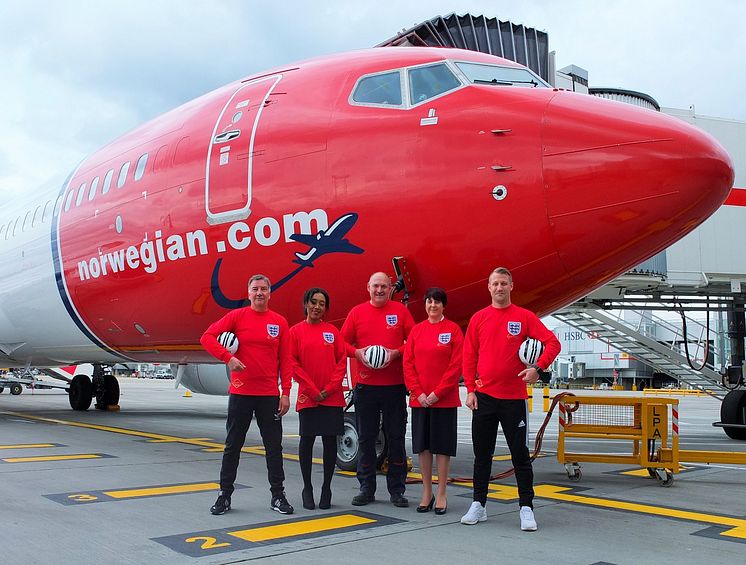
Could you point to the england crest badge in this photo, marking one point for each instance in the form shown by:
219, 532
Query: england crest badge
444, 338
328, 337
514, 328
273, 330
392, 319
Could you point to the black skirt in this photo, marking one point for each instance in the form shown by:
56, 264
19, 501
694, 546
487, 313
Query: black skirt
321, 421
434, 430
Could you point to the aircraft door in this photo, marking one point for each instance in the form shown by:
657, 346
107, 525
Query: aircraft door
230, 163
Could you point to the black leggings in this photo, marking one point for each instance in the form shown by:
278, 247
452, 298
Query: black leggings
305, 456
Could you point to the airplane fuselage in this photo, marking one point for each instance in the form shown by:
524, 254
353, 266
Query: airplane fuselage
154, 236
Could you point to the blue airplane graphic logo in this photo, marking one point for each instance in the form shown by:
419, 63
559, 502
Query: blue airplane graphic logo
330, 240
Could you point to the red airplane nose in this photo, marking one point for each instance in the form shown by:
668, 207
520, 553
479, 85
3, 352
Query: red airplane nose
623, 182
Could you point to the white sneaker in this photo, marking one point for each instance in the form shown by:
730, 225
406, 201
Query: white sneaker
476, 513
528, 522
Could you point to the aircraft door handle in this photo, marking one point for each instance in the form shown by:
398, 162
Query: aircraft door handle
501, 131
501, 168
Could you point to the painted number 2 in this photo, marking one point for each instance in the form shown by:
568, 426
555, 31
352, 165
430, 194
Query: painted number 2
208, 542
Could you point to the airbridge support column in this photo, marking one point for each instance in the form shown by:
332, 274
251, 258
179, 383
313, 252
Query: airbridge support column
736, 333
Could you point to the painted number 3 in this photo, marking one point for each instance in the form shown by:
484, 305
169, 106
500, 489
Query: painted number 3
208, 542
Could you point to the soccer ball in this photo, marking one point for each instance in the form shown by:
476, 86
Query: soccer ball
530, 351
229, 341
376, 356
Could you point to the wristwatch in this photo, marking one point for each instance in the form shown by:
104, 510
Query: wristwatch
538, 369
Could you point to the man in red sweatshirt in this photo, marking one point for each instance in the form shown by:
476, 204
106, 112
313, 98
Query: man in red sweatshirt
379, 321
496, 380
263, 355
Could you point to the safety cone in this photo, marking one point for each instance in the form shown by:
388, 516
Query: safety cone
188, 394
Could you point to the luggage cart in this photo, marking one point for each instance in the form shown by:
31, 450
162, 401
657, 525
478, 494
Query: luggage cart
650, 424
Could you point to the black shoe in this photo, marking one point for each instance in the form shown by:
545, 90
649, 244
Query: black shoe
325, 502
441, 511
362, 499
280, 504
399, 500
222, 505
422, 509
307, 496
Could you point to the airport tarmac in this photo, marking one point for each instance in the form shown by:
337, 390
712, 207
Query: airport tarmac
136, 486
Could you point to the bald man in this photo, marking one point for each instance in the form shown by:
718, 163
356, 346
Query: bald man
379, 321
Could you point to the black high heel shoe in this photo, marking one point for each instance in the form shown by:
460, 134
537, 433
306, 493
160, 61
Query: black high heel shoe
441, 511
325, 502
307, 496
423, 509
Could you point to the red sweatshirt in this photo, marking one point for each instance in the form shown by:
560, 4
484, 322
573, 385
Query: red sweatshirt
263, 347
491, 348
389, 326
432, 362
319, 362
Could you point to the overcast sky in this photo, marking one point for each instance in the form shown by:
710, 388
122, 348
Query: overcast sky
76, 74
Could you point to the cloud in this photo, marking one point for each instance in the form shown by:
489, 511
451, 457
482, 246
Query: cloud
78, 74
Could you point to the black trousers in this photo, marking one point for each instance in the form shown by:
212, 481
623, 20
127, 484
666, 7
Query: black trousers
512, 415
370, 402
241, 409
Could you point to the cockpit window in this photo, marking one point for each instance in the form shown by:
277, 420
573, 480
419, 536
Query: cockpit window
379, 89
427, 82
501, 76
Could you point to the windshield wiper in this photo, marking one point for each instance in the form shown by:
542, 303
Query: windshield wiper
505, 82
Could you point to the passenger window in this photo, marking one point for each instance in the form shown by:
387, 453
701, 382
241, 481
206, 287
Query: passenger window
140, 169
58, 205
107, 181
36, 217
44, 213
81, 192
92, 192
69, 200
428, 82
123, 174
379, 89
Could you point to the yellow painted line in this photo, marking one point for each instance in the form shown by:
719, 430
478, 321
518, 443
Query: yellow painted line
51, 458
554, 492
27, 445
644, 472
637, 473
171, 441
257, 450
507, 457
155, 491
300, 528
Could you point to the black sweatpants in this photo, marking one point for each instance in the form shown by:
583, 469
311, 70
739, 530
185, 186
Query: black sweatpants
370, 402
241, 409
512, 415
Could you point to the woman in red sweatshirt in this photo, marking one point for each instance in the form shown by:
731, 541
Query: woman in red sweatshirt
432, 368
319, 364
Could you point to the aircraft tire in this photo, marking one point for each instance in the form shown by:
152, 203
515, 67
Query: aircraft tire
108, 395
16, 389
81, 392
733, 411
348, 445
